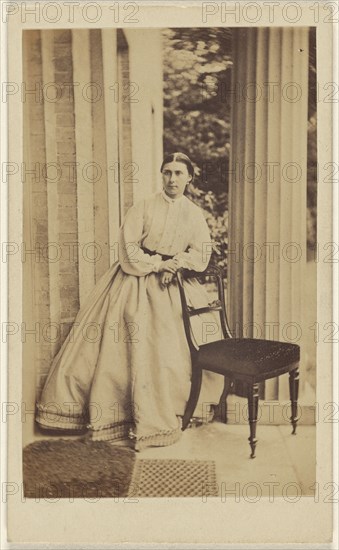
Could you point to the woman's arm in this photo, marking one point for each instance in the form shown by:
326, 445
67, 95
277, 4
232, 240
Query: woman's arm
132, 259
198, 255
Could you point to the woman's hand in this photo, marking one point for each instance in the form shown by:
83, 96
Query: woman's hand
170, 266
167, 270
166, 278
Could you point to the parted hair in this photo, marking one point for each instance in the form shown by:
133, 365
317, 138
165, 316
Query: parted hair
179, 157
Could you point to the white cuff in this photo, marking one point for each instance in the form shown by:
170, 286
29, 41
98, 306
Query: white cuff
157, 262
181, 261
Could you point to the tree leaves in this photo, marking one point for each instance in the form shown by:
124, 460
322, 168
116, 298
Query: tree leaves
197, 107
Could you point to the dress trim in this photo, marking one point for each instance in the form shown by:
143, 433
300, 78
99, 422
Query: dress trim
159, 439
60, 421
111, 432
124, 430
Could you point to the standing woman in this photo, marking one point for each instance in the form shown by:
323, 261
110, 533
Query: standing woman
125, 369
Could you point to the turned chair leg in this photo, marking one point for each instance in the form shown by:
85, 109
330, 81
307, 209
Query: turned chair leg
194, 396
222, 406
253, 402
294, 391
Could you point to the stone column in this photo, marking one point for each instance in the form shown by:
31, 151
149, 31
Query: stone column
267, 187
51, 151
101, 215
84, 157
110, 75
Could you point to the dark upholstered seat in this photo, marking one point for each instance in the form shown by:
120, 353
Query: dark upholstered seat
249, 359
244, 360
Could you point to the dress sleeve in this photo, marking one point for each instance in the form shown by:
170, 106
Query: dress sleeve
199, 251
132, 259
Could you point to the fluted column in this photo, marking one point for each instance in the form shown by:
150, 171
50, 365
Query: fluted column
49, 109
84, 155
267, 189
110, 72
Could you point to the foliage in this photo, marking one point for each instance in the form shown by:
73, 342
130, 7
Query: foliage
196, 117
197, 73
216, 212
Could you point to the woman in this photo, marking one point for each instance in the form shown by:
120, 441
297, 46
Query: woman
124, 372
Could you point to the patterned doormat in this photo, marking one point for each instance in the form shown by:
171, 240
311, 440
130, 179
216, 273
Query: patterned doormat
173, 478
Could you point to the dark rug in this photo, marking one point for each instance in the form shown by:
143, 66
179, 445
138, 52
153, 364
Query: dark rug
76, 469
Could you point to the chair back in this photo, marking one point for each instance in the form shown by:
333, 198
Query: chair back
212, 272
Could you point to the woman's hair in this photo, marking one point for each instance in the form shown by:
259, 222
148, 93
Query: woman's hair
179, 157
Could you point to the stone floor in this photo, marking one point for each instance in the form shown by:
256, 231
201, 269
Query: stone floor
284, 463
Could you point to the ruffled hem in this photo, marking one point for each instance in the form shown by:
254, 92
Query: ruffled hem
59, 422
160, 439
124, 430
111, 432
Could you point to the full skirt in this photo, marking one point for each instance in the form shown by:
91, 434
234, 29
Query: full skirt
125, 368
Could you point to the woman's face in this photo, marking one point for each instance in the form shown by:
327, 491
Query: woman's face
175, 177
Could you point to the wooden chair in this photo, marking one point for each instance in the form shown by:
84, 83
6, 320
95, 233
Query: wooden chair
244, 360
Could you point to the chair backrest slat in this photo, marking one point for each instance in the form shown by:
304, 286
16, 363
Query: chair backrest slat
189, 311
200, 310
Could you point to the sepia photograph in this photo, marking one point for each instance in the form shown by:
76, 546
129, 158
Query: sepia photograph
171, 247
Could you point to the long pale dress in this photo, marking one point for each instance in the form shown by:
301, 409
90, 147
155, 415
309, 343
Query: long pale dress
125, 368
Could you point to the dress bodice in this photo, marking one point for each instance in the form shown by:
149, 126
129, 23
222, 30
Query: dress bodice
170, 227
168, 224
